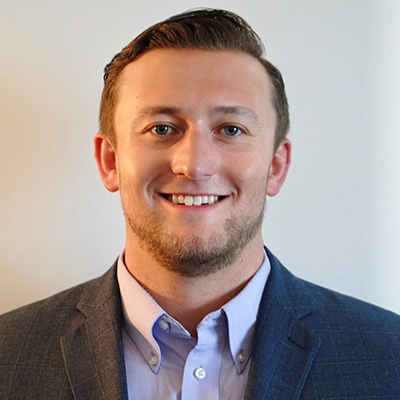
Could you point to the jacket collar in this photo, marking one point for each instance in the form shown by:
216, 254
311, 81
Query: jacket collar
93, 353
284, 349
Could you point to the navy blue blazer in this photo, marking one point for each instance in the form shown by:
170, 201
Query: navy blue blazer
310, 343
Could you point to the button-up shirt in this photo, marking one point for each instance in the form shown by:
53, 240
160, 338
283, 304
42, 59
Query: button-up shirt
163, 361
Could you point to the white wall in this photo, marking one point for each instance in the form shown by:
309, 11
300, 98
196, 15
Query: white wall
336, 222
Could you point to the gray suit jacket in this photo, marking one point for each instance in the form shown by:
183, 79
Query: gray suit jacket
310, 343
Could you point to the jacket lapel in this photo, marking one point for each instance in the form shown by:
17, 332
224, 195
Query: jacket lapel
284, 349
93, 352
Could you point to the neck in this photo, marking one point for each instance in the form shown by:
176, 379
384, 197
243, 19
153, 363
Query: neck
188, 299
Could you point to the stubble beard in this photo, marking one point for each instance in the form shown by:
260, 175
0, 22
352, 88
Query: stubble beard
193, 256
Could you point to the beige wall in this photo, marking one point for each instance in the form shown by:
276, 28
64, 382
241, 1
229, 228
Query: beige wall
336, 221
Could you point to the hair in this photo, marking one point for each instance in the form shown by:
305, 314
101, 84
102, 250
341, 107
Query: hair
205, 29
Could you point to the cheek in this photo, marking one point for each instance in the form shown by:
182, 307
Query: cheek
250, 183
250, 169
139, 172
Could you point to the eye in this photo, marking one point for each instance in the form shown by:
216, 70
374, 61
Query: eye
161, 130
231, 130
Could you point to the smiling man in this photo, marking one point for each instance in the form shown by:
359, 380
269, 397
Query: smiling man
193, 158
193, 126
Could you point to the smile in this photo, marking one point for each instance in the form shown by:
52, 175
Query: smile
192, 200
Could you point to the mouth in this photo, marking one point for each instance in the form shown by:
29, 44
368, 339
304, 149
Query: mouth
198, 200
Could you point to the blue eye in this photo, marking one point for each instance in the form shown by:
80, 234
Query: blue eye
161, 130
231, 130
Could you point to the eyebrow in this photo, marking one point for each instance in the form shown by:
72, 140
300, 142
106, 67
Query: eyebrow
156, 110
239, 111
152, 111
235, 110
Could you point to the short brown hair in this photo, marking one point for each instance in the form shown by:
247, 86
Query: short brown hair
205, 29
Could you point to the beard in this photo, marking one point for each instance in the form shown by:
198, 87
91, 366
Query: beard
193, 255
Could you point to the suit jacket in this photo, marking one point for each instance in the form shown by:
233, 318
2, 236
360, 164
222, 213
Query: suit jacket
310, 343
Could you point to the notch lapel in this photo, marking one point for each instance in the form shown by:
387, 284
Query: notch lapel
93, 352
284, 349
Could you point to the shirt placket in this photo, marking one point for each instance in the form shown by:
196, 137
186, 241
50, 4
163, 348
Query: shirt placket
201, 374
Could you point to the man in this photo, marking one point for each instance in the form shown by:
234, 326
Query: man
193, 126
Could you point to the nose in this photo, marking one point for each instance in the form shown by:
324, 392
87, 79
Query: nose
195, 155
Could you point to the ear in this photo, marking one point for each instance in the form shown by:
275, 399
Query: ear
105, 157
279, 167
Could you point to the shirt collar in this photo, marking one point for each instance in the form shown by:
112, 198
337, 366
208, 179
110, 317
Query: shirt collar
241, 313
138, 321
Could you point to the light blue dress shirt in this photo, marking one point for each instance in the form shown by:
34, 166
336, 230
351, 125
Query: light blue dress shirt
163, 361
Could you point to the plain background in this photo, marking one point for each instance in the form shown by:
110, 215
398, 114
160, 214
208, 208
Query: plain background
336, 222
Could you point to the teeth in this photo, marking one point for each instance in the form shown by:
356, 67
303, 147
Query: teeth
197, 200
193, 200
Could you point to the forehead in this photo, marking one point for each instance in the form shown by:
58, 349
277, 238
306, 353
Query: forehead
196, 79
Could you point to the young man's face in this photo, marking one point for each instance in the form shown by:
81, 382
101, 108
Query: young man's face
194, 159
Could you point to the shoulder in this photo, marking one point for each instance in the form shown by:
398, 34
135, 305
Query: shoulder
310, 302
353, 327
353, 346
54, 313
349, 328
359, 345
43, 314
32, 360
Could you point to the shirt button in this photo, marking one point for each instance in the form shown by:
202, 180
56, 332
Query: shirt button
199, 373
241, 358
153, 360
163, 324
